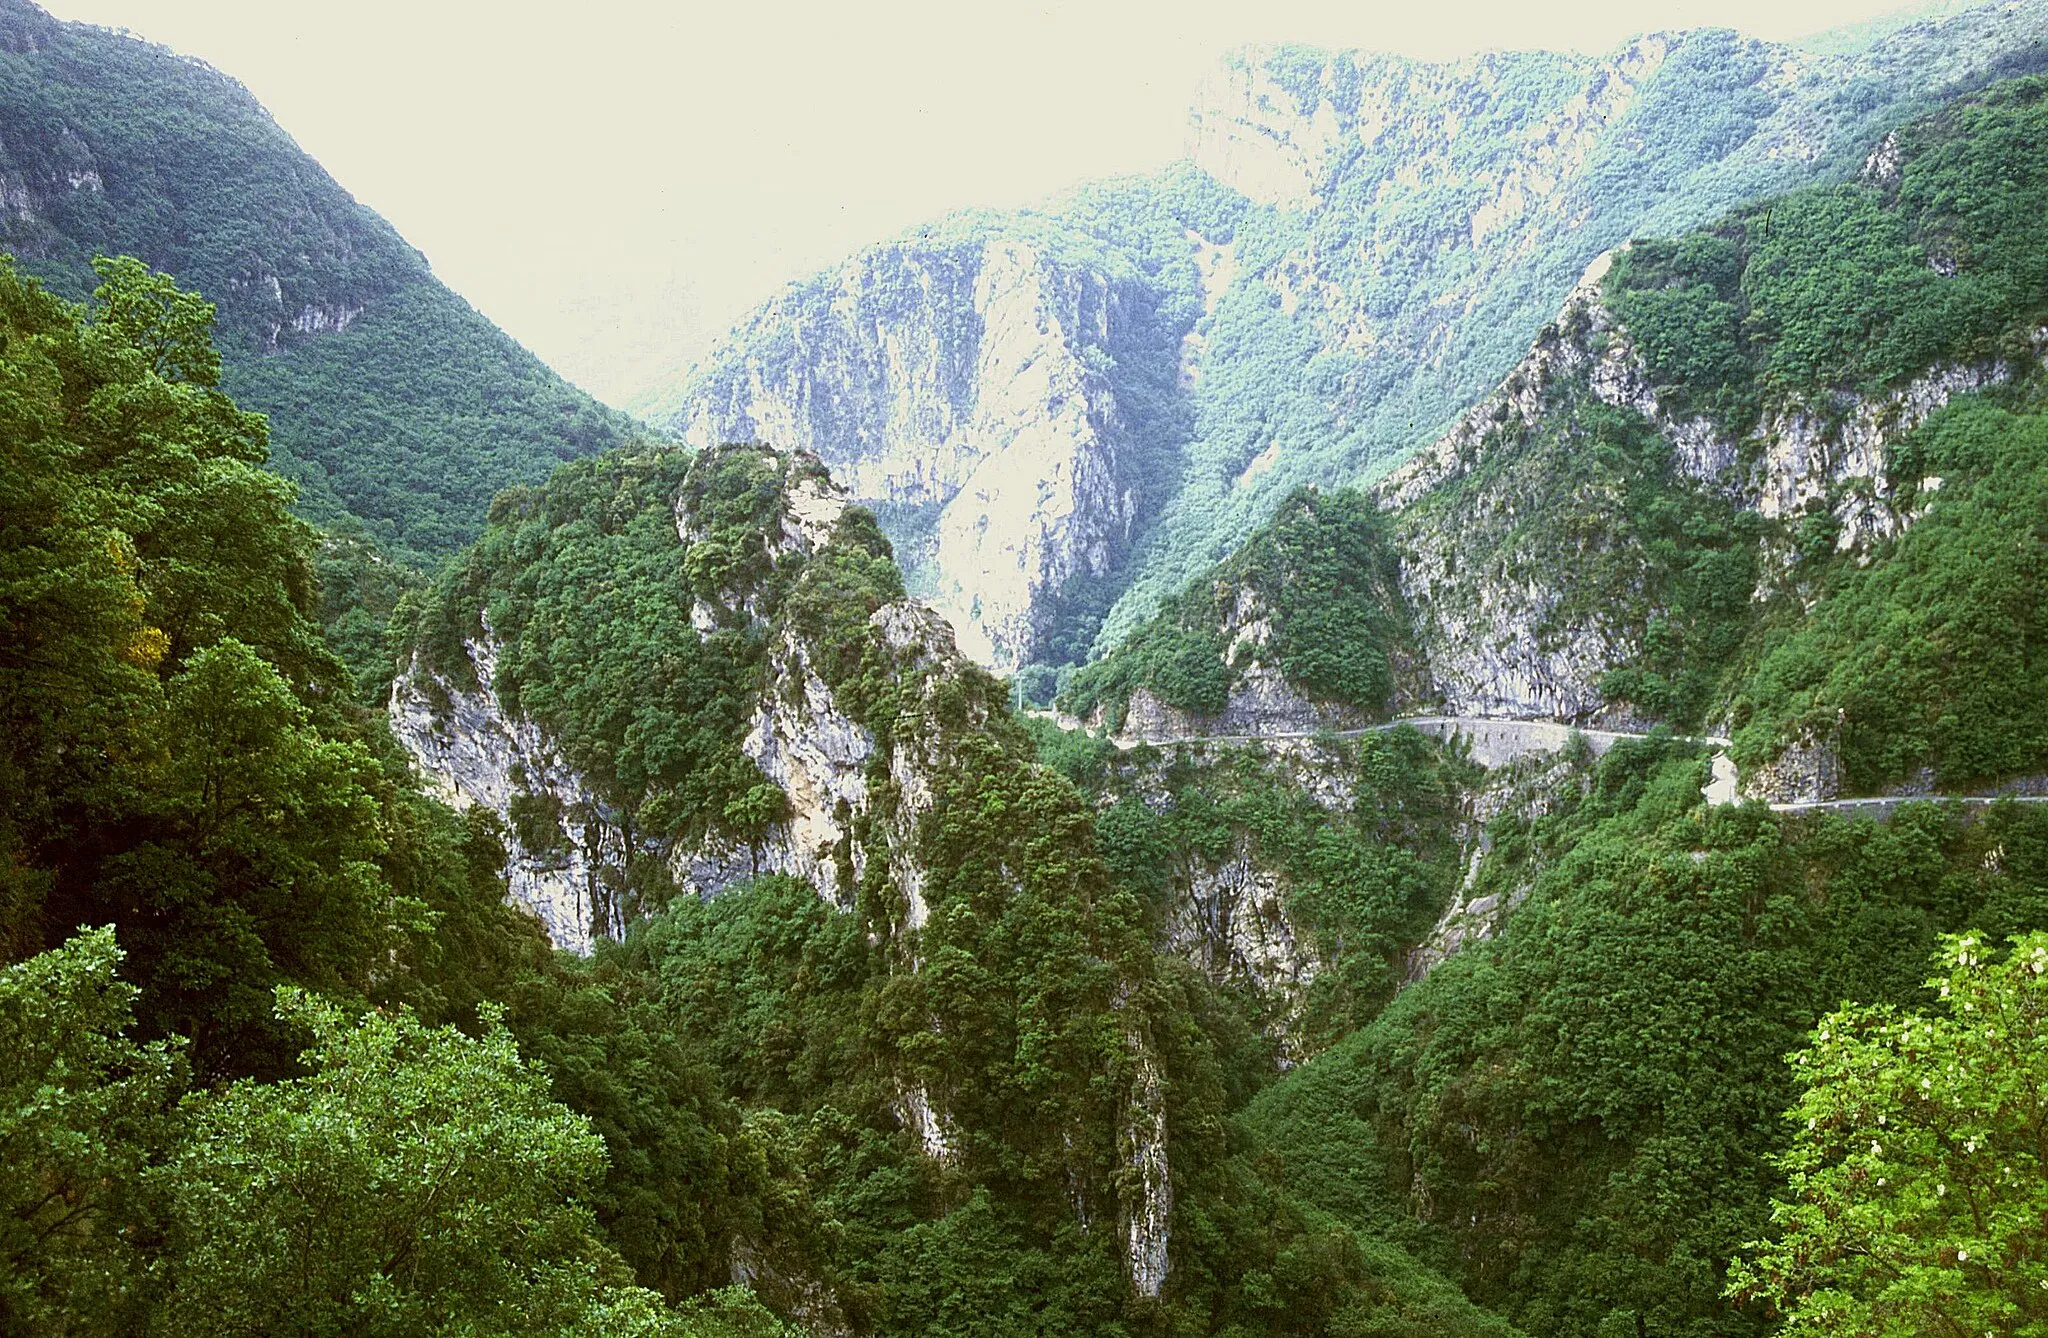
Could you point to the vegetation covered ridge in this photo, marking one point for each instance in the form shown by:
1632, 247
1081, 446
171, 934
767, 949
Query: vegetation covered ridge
395, 406
313, 1073
1313, 599
1903, 650
1580, 1114
1713, 497
919, 952
1359, 245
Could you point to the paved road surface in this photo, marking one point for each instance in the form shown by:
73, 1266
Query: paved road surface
1493, 741
1882, 806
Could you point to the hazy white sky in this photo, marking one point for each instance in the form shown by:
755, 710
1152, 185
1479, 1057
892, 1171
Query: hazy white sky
616, 181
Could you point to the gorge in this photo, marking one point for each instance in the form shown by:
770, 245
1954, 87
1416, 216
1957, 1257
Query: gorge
1371, 734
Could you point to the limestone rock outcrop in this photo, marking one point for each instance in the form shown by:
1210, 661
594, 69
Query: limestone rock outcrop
471, 751
964, 389
1497, 620
1065, 414
568, 850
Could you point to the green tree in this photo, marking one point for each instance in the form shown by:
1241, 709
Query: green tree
81, 1107
1918, 1195
171, 328
416, 1181
249, 860
177, 754
675, 1185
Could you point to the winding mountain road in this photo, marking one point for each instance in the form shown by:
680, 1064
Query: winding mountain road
1496, 742
1881, 806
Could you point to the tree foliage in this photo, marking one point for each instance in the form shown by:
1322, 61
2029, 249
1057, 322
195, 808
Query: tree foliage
411, 1180
1926, 662
82, 1107
414, 1181
1916, 1200
1912, 667
1320, 578
176, 760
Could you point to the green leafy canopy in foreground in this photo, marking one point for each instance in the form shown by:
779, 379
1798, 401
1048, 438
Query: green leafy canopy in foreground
413, 1181
1918, 1174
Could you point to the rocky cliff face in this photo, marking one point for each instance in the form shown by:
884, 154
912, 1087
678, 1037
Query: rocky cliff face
569, 848
1528, 788
1370, 243
1493, 626
823, 762
471, 751
1499, 616
1269, 847
1263, 704
964, 389
1230, 918
858, 722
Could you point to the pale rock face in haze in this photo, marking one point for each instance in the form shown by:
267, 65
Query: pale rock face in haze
1276, 127
958, 385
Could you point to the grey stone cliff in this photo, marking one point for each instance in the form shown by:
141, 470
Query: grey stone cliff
962, 388
1511, 643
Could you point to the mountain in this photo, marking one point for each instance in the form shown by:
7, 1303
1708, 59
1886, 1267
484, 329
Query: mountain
753, 770
1002, 391
1497, 899
1423, 794
1714, 468
1779, 479
1062, 415
390, 399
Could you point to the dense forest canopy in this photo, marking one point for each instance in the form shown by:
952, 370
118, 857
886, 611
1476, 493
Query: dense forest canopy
1924, 662
184, 766
307, 957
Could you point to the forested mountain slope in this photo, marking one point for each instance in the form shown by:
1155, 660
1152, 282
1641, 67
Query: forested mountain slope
1357, 247
180, 765
1728, 487
1817, 419
697, 944
1778, 477
391, 400
316, 1073
734, 761
1774, 476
